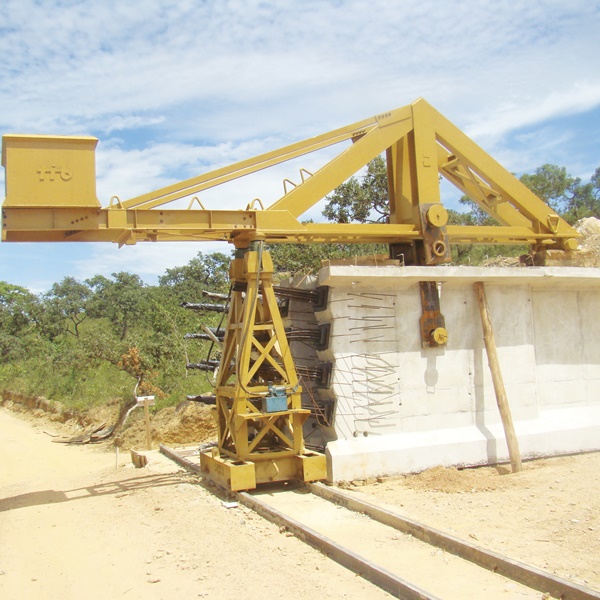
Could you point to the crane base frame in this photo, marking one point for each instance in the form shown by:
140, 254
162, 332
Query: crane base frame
238, 475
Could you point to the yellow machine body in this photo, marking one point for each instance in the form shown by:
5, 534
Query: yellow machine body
48, 171
50, 196
257, 443
51, 193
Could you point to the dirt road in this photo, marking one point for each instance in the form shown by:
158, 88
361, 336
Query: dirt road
73, 526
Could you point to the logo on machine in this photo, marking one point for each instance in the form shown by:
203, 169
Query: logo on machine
53, 173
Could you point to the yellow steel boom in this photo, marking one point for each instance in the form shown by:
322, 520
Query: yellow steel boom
51, 196
50, 193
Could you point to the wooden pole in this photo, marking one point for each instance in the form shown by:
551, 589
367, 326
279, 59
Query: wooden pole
147, 418
501, 399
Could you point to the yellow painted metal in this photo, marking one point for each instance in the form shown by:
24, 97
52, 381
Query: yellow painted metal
246, 167
440, 335
392, 126
67, 225
233, 475
51, 192
437, 215
425, 153
237, 476
509, 188
256, 359
50, 196
486, 195
570, 244
402, 178
49, 171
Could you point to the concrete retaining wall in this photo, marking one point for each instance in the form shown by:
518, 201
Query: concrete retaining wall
402, 408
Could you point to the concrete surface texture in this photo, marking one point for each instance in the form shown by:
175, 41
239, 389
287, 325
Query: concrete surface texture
402, 408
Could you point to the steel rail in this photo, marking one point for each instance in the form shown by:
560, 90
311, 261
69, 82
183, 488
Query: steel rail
527, 575
519, 572
391, 583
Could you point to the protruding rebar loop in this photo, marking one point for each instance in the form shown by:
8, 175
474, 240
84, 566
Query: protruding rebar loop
252, 205
285, 181
115, 202
304, 171
198, 201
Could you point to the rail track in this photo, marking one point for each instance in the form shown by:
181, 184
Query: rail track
407, 559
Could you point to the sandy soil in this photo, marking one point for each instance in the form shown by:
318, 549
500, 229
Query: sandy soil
187, 423
548, 515
73, 526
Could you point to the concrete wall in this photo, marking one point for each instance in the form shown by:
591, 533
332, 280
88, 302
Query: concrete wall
401, 408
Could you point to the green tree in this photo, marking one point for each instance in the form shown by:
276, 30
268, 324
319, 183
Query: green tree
567, 195
362, 200
66, 301
551, 183
16, 303
204, 272
122, 300
308, 258
19, 310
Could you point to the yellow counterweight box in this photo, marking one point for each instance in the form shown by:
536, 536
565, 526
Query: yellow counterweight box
50, 171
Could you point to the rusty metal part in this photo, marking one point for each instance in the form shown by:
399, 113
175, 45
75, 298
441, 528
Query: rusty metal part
432, 322
321, 374
317, 337
203, 365
216, 331
436, 245
211, 399
317, 296
205, 306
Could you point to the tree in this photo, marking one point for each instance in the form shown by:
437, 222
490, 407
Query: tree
66, 301
19, 309
361, 201
307, 258
134, 363
210, 271
551, 183
16, 305
567, 195
122, 301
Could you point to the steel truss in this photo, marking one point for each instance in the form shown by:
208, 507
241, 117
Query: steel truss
258, 395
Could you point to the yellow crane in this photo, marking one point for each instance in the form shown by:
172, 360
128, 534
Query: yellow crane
51, 196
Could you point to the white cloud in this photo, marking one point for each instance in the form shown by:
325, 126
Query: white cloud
128, 173
148, 260
175, 88
580, 97
229, 70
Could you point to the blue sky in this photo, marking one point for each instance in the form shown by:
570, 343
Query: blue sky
174, 89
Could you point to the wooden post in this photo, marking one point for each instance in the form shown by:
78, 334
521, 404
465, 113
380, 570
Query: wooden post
147, 418
494, 363
146, 402
139, 460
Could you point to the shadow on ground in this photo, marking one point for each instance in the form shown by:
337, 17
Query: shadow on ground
125, 486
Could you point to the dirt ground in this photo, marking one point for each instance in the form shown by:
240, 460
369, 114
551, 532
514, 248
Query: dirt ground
548, 515
187, 423
72, 524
